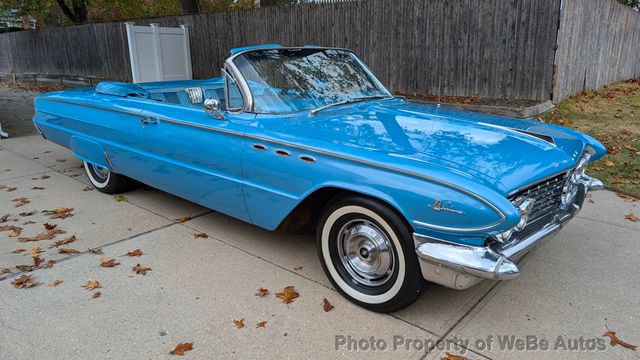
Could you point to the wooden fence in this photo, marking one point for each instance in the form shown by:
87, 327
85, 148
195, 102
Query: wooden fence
490, 48
598, 44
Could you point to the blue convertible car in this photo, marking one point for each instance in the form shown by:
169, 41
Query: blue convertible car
307, 139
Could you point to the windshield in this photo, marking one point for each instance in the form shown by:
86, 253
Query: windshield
303, 79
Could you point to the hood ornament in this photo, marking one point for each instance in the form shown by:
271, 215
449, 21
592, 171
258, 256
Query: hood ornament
447, 206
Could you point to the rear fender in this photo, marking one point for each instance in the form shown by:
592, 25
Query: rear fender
90, 151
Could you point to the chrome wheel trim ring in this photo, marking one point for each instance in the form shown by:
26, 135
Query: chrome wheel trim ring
95, 180
101, 173
366, 253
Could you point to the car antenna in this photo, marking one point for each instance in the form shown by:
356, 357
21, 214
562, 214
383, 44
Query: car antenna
439, 89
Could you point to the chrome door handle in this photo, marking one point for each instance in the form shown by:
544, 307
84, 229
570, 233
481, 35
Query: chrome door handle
146, 120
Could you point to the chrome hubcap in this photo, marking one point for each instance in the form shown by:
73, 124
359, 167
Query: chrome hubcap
100, 172
365, 252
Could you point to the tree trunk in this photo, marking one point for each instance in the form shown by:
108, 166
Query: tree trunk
190, 6
79, 13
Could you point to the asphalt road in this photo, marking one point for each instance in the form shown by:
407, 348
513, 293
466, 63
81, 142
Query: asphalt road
579, 285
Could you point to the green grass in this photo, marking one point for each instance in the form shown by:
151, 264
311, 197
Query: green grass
611, 115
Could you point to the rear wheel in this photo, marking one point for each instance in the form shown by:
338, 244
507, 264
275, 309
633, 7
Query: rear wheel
106, 181
367, 252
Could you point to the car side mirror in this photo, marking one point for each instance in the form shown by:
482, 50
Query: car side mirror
214, 108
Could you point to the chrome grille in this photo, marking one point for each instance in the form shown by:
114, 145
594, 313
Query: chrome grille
547, 195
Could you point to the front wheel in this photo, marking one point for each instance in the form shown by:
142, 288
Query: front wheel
106, 181
367, 252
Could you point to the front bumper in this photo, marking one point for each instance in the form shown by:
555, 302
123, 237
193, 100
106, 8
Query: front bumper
460, 266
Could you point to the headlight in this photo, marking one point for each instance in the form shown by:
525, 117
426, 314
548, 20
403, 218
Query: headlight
524, 206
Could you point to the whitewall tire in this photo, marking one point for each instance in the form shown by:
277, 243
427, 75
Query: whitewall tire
107, 181
366, 250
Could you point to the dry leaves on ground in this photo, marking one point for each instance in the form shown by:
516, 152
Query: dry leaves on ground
450, 356
37, 188
183, 219
48, 226
20, 201
92, 284
55, 283
88, 188
96, 251
609, 163
326, 305
262, 292
4, 218
18, 251
24, 281
15, 231
28, 222
96, 294
615, 341
120, 198
5, 271
632, 217
50, 264
287, 295
141, 269
35, 251
626, 197
26, 268
64, 241
27, 213
239, 323
200, 235
67, 251
181, 348
37, 261
261, 325
48, 235
136, 252
59, 213
298, 268
108, 262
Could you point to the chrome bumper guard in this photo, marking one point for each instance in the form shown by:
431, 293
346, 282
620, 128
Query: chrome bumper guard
460, 266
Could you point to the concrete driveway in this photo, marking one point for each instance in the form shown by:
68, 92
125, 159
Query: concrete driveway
576, 287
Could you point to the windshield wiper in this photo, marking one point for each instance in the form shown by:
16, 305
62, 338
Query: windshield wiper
349, 101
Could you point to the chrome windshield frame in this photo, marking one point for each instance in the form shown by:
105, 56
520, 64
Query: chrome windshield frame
247, 95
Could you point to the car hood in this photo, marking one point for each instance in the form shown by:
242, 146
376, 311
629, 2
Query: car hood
504, 152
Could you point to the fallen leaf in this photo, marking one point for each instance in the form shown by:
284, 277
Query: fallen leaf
181, 348
632, 217
37, 261
10, 189
92, 284
35, 251
64, 241
28, 222
67, 251
120, 198
96, 251
326, 305
298, 268
24, 281
609, 163
88, 188
20, 201
26, 268
55, 283
15, 231
261, 324
239, 323
141, 269
626, 197
450, 356
184, 219
18, 251
262, 292
200, 235
2, 186
96, 294
37, 188
49, 226
27, 213
136, 252
50, 263
46, 152
287, 295
59, 213
43, 236
615, 341
61, 160
4, 218
108, 262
